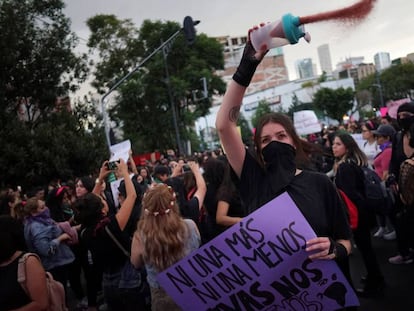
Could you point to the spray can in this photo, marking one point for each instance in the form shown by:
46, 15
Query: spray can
288, 30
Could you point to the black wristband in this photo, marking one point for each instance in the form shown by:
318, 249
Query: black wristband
247, 66
338, 249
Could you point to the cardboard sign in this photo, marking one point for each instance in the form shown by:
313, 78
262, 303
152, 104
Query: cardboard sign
120, 151
259, 264
306, 122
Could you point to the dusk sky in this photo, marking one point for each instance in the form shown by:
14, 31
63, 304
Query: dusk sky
388, 28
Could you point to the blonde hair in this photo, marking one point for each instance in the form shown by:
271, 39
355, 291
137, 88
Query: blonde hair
31, 205
161, 228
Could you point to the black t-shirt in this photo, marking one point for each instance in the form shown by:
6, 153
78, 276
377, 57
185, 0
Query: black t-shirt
232, 197
106, 254
313, 193
12, 295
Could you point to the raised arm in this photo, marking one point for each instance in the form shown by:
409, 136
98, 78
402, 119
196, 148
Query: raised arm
228, 114
200, 183
126, 208
137, 251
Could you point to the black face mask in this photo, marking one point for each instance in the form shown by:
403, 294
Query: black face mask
405, 123
280, 164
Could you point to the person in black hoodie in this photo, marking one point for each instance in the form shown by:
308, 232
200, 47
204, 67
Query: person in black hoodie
402, 218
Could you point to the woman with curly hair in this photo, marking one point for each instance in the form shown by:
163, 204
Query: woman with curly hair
162, 238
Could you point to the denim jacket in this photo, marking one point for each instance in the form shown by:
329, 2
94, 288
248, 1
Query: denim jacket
42, 239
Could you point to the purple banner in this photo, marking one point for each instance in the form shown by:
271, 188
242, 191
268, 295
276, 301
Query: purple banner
259, 264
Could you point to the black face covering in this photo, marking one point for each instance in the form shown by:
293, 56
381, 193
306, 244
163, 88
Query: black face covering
280, 164
405, 123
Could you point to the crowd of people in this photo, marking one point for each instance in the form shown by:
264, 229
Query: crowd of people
106, 246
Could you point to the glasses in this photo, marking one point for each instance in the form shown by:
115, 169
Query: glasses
364, 131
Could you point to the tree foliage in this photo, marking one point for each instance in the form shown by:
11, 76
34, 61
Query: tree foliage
262, 108
41, 139
245, 130
37, 60
143, 106
393, 83
335, 103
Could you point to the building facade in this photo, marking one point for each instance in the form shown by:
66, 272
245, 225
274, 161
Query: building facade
382, 60
325, 60
272, 71
305, 68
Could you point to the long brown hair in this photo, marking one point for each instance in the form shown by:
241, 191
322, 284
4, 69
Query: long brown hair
353, 152
303, 148
161, 228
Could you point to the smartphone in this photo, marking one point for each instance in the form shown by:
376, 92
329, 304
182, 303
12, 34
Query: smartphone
112, 165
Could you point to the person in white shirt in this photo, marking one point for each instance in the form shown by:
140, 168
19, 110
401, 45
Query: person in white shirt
370, 146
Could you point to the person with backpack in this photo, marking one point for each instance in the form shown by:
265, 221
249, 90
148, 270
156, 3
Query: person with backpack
349, 177
12, 294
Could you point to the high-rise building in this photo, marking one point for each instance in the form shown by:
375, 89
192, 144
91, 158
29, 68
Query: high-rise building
382, 60
325, 58
304, 68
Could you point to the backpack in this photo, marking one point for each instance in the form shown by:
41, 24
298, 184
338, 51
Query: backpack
55, 289
351, 209
375, 191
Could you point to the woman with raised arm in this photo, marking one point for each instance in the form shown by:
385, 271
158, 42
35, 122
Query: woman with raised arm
106, 238
281, 156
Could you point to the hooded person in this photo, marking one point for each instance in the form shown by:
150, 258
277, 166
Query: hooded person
405, 116
403, 218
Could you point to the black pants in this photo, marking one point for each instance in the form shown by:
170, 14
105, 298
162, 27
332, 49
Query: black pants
404, 229
362, 238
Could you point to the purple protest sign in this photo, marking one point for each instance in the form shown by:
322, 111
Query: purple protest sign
259, 264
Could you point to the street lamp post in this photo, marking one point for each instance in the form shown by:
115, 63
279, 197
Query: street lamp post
189, 32
165, 51
379, 86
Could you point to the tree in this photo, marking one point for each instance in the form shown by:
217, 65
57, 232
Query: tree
397, 81
44, 137
143, 105
262, 108
60, 147
393, 83
297, 105
37, 61
336, 103
245, 130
